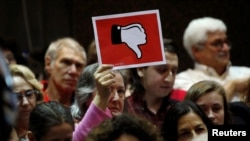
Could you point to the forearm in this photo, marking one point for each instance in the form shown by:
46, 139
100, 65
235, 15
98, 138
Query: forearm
93, 117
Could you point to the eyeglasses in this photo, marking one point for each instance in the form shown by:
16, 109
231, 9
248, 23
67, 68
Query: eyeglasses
28, 94
218, 44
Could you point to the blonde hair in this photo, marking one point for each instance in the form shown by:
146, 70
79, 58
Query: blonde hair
24, 72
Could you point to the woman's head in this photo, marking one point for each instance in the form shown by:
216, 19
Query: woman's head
183, 121
117, 96
26, 73
125, 127
51, 121
27, 89
211, 97
86, 89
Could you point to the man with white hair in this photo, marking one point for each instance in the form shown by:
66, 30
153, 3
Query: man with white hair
205, 39
64, 61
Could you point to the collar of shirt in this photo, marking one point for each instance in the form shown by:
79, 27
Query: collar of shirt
211, 71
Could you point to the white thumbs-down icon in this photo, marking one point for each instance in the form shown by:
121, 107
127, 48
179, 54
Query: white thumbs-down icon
133, 35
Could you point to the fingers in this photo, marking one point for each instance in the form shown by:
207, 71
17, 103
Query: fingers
104, 67
104, 75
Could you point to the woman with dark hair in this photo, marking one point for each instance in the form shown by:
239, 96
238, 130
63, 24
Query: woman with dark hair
152, 87
50, 121
185, 121
211, 97
125, 127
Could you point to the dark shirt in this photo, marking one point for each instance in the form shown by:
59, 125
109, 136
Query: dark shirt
139, 107
240, 113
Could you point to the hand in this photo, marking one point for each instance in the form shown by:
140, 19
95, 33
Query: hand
104, 77
133, 35
240, 86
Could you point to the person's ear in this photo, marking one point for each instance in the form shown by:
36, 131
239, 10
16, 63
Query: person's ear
140, 71
196, 52
31, 136
48, 62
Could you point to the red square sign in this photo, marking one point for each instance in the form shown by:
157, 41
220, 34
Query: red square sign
129, 40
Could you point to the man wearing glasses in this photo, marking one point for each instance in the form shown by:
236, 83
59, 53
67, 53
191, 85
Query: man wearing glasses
205, 40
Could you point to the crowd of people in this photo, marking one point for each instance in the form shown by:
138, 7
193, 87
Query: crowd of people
81, 100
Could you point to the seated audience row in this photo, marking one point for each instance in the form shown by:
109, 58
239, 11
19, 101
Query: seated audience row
160, 99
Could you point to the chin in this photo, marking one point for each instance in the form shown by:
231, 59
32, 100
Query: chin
69, 88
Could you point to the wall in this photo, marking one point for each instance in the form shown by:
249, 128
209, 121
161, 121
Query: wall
48, 20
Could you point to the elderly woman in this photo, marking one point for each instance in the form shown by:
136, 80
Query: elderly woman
28, 92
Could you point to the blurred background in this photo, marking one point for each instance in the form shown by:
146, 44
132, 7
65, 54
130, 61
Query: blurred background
30, 25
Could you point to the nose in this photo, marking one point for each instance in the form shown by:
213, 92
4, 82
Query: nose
169, 76
194, 134
210, 114
25, 101
226, 46
73, 68
115, 96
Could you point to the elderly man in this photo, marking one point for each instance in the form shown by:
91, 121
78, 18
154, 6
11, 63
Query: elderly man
64, 61
205, 39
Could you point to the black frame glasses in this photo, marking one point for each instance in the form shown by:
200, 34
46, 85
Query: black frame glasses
220, 43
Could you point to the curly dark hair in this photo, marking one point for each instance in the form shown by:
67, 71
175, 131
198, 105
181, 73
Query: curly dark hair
125, 124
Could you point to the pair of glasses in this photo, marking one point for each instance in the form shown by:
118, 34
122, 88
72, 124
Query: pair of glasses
28, 94
220, 43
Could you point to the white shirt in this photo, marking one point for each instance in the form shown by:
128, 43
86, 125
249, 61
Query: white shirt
185, 79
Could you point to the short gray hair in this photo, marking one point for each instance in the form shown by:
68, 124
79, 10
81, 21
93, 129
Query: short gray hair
55, 46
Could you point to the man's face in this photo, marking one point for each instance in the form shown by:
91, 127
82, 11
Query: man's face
65, 69
216, 50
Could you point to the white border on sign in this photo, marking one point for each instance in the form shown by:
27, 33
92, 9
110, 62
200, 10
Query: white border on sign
127, 15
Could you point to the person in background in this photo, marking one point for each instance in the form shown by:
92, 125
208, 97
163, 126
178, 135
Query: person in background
65, 59
152, 87
7, 51
109, 94
91, 53
28, 91
8, 106
125, 127
205, 40
185, 121
240, 109
50, 121
85, 92
211, 97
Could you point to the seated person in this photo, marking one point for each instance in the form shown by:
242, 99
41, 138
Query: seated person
184, 121
206, 41
50, 121
28, 91
109, 94
125, 127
